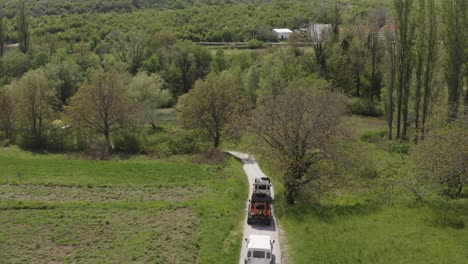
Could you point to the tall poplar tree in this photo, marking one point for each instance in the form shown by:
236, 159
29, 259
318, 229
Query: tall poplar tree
430, 61
404, 64
421, 53
2, 31
23, 26
454, 14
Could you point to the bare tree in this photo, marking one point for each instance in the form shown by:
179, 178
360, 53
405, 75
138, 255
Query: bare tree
102, 104
215, 105
443, 156
299, 124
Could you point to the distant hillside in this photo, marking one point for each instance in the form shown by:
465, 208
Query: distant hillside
58, 7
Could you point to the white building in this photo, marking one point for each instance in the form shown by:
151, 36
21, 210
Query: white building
282, 33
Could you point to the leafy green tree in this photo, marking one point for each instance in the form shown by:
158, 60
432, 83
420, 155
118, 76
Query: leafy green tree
419, 61
3, 32
376, 20
299, 124
101, 105
431, 35
403, 13
14, 64
357, 53
65, 77
129, 48
219, 63
148, 93
40, 59
455, 16
22, 20
251, 82
184, 63
216, 105
34, 104
6, 112
390, 67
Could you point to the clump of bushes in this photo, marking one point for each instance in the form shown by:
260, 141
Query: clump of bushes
361, 106
254, 44
4, 141
128, 142
374, 135
167, 144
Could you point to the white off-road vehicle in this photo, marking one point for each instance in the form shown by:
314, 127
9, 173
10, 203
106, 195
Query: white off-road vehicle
262, 186
259, 250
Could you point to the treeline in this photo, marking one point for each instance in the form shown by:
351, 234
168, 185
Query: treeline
227, 22
55, 7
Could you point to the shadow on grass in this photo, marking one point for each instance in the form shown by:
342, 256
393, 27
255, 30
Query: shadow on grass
327, 213
448, 213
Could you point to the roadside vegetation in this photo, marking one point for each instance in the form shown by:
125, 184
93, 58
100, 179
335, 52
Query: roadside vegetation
114, 113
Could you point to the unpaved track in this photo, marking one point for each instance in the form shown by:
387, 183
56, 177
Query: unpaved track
253, 171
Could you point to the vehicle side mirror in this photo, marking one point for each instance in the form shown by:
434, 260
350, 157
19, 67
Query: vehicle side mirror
249, 200
272, 242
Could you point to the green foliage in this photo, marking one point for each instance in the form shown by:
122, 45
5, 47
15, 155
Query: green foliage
363, 106
254, 44
14, 64
4, 141
216, 106
373, 135
40, 59
128, 142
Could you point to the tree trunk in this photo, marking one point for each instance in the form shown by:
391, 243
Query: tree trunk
400, 97
107, 136
358, 82
217, 140
374, 61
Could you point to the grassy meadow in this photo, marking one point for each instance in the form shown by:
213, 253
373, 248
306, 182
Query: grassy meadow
59, 208
370, 220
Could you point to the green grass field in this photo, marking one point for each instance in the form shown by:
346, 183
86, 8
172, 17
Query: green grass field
56, 208
356, 226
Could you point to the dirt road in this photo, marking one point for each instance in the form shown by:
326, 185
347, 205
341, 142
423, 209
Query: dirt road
253, 171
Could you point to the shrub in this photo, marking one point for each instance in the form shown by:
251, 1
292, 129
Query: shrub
361, 106
97, 149
175, 143
401, 147
128, 142
28, 141
254, 44
60, 139
4, 141
373, 135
